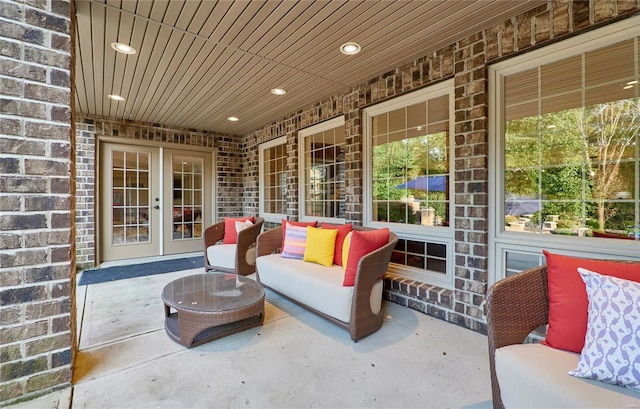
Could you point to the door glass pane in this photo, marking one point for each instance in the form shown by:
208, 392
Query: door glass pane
188, 197
130, 199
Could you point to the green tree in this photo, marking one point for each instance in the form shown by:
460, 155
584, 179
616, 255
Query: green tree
397, 162
609, 132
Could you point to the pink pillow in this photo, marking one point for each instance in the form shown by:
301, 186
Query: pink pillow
568, 302
361, 244
343, 230
230, 233
295, 241
305, 224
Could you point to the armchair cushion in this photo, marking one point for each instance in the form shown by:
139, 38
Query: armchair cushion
568, 297
535, 376
230, 233
222, 255
611, 351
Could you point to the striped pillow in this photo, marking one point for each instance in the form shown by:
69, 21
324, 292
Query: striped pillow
295, 240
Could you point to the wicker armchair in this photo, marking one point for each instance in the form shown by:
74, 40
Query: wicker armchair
371, 268
243, 252
516, 306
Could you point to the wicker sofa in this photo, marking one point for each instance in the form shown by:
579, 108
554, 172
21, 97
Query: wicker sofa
358, 308
534, 375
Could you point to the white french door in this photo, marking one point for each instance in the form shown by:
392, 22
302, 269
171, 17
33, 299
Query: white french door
187, 191
153, 201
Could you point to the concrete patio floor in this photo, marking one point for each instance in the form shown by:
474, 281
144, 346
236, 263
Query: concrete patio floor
295, 360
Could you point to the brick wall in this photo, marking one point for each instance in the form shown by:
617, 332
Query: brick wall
36, 206
466, 62
85, 195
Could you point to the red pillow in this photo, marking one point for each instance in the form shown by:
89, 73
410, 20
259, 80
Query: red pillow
362, 243
230, 234
304, 224
568, 303
343, 230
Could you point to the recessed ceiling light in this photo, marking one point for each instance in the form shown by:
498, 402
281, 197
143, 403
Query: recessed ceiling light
627, 87
350, 48
278, 91
233, 119
632, 82
123, 48
115, 97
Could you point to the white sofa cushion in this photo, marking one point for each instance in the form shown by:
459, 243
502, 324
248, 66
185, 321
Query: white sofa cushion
222, 255
536, 376
316, 286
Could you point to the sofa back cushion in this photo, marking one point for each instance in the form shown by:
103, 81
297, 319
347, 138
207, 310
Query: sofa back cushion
321, 244
343, 230
295, 241
568, 301
361, 243
286, 223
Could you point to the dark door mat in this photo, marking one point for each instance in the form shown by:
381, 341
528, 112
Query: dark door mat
102, 275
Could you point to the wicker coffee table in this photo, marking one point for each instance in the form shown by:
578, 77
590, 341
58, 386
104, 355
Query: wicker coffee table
210, 306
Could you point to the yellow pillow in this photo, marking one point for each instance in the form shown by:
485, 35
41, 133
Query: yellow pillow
321, 245
345, 250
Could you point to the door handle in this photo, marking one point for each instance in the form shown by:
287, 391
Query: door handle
156, 207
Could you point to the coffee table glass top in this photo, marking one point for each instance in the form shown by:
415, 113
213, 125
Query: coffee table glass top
212, 292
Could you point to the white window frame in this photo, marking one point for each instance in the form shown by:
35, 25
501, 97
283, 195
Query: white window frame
324, 126
501, 242
268, 217
431, 234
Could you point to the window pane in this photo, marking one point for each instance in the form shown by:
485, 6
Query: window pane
324, 167
411, 164
273, 179
421, 255
571, 146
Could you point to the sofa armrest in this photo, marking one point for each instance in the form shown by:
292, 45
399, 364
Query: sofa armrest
269, 241
515, 306
371, 268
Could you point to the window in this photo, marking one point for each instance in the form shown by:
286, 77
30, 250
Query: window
407, 146
410, 163
567, 125
322, 165
273, 180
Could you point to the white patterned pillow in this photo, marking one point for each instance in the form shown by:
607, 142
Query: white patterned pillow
243, 225
611, 350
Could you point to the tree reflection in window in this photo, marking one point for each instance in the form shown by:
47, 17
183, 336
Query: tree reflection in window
571, 150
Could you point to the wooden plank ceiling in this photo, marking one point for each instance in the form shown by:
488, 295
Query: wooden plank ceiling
199, 62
